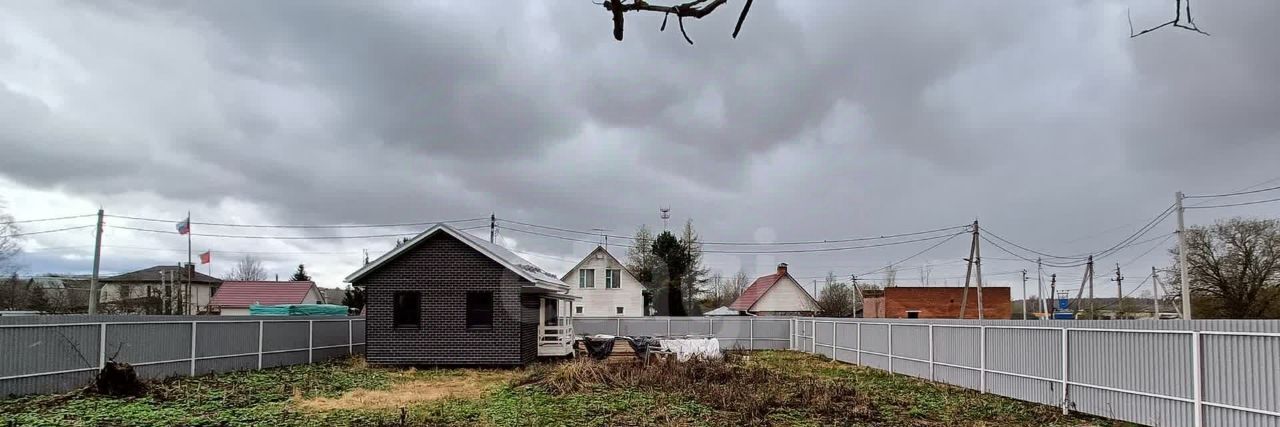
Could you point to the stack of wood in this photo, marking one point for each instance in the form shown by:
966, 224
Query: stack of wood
622, 351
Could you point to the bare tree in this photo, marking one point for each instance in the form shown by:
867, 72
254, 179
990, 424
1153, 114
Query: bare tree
692, 9
1179, 6
1233, 267
248, 268
838, 299
725, 290
9, 245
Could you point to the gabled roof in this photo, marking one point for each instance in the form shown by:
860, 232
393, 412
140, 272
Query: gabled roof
244, 294
758, 289
528, 270
153, 275
593, 253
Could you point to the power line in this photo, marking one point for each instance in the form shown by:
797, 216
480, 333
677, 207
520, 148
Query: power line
726, 243
237, 236
1100, 254
23, 221
339, 226
915, 254
1238, 193
46, 232
1234, 204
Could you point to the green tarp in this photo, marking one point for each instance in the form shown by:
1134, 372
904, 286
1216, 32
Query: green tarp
298, 310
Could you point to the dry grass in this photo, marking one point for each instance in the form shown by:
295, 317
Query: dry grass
751, 392
411, 391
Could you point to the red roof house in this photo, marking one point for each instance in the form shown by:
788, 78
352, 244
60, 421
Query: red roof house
234, 298
776, 294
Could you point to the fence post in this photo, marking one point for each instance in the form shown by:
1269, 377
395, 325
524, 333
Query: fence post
193, 348
1197, 370
351, 344
751, 332
261, 331
711, 327
618, 332
1064, 371
982, 358
813, 336
311, 336
834, 341
931, 352
102, 346
859, 343
890, 334
668, 326
791, 334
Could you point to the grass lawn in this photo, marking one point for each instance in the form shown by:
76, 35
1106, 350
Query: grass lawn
766, 388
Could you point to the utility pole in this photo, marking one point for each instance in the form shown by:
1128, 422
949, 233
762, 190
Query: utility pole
1024, 294
1155, 293
1182, 256
968, 270
1053, 290
1044, 307
977, 262
1092, 308
1119, 291
493, 228
94, 288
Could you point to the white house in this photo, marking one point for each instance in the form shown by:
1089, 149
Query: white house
776, 294
605, 286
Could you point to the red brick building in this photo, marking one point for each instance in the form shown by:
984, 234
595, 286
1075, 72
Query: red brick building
906, 302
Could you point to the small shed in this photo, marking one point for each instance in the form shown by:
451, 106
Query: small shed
447, 297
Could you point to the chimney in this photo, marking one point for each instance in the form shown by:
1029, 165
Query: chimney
782, 268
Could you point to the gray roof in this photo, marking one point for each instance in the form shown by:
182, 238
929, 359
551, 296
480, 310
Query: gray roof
152, 274
506, 258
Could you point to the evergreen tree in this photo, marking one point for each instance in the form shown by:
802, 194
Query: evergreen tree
675, 259
300, 275
694, 279
353, 298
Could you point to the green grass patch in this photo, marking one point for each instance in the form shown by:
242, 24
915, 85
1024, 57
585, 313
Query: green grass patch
548, 395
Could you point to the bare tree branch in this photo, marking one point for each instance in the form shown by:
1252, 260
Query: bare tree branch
691, 9
1177, 21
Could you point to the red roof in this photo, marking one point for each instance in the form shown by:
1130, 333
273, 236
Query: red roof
754, 292
244, 294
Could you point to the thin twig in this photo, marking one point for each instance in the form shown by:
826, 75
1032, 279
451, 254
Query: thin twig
741, 17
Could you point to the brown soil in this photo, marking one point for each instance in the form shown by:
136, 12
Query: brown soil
471, 384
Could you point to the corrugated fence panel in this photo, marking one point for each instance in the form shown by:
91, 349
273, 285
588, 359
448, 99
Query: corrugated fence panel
222, 339
1234, 374
284, 335
957, 346
644, 327
595, 326
44, 354
1034, 352
151, 342
1130, 407
326, 334
911, 341
1223, 417
822, 333
37, 349
1158, 363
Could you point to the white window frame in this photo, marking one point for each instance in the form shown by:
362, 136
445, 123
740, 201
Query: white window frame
583, 283
612, 278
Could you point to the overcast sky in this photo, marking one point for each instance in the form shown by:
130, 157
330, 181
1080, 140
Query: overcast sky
822, 120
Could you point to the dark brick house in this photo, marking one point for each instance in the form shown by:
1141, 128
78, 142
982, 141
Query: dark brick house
450, 298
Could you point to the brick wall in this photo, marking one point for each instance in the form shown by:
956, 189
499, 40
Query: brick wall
443, 269
940, 302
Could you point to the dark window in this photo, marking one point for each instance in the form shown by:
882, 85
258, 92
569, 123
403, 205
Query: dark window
619, 310
407, 310
913, 314
579, 309
479, 310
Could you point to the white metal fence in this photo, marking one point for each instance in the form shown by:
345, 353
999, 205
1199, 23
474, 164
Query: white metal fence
1179, 373
54, 354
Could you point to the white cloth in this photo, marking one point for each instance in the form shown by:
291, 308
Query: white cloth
685, 349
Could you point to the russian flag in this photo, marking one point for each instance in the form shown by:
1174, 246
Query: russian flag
184, 227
